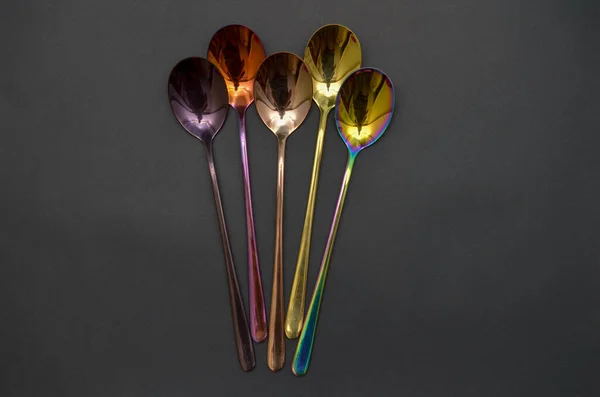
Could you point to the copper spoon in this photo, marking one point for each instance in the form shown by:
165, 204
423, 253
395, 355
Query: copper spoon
283, 89
332, 53
238, 52
198, 98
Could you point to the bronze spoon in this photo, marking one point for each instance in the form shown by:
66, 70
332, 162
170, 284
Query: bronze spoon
237, 52
283, 90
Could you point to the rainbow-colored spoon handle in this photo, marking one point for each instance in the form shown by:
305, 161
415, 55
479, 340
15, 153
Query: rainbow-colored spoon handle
307, 337
364, 107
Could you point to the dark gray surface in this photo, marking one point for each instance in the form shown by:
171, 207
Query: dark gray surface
467, 258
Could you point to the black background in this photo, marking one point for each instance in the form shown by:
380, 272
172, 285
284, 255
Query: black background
467, 258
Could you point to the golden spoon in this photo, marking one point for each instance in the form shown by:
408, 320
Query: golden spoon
198, 98
332, 53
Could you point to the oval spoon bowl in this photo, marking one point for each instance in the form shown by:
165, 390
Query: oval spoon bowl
364, 106
198, 97
283, 90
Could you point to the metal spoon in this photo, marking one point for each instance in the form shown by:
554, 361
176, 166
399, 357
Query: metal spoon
237, 52
198, 98
364, 108
332, 53
283, 89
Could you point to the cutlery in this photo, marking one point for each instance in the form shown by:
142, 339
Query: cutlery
237, 52
364, 107
283, 90
332, 53
198, 98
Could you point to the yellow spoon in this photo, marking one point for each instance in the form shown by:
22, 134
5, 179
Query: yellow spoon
332, 53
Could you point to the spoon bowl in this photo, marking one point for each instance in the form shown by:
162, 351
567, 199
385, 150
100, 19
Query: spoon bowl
364, 108
237, 52
332, 53
198, 97
283, 91
365, 105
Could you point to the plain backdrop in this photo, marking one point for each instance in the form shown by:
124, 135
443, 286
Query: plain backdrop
466, 262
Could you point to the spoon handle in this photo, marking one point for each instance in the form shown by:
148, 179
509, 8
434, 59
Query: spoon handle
258, 314
307, 337
245, 348
295, 312
276, 344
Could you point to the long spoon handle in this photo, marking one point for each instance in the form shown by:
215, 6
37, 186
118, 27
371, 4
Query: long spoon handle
258, 314
276, 344
243, 340
307, 338
295, 313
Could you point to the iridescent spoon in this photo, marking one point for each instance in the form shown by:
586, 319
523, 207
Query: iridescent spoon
198, 98
237, 52
364, 108
332, 53
283, 90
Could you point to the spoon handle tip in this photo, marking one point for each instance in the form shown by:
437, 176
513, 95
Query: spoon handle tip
307, 337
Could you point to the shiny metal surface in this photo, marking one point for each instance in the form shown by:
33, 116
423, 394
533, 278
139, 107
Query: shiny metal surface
237, 52
332, 53
364, 108
198, 98
283, 90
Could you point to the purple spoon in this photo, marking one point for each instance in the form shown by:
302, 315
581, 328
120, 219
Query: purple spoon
198, 98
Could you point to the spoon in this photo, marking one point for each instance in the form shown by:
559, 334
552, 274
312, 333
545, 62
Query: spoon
365, 105
283, 90
332, 53
237, 52
198, 98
